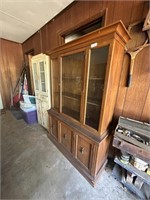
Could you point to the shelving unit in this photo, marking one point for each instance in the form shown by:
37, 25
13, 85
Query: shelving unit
120, 172
127, 138
83, 110
129, 167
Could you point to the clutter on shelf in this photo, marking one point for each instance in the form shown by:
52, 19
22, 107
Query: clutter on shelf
132, 167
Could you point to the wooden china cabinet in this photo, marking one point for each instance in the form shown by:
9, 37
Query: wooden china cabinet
85, 78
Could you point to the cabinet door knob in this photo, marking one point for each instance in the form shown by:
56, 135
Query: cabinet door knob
65, 136
82, 150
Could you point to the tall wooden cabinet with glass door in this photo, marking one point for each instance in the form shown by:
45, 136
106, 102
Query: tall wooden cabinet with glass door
85, 80
41, 79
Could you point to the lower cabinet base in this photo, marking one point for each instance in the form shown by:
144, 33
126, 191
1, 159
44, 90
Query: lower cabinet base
86, 173
86, 151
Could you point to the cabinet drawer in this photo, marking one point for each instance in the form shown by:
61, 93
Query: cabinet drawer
66, 137
84, 148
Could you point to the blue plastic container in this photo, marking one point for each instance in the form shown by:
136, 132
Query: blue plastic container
29, 115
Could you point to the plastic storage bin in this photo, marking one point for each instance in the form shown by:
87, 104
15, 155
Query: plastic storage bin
29, 102
29, 115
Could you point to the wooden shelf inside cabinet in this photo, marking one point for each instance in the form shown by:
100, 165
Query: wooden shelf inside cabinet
94, 102
96, 79
76, 97
132, 169
71, 96
71, 78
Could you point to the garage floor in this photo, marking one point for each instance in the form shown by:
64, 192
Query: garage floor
33, 168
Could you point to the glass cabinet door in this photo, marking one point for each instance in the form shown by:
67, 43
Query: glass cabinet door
55, 83
36, 78
98, 62
42, 76
72, 75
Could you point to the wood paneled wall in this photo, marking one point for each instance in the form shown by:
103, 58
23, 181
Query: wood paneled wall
134, 102
131, 102
48, 37
11, 62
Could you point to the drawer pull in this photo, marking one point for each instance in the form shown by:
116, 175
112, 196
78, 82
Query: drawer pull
65, 136
82, 150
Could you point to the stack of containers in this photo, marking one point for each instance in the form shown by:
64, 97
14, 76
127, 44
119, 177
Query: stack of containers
28, 107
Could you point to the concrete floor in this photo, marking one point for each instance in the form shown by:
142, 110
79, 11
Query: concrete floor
33, 168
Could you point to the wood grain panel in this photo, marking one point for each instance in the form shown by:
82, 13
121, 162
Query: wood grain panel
28, 45
52, 35
73, 17
33, 43
54, 128
11, 63
122, 87
95, 7
123, 10
102, 152
112, 78
79, 12
137, 11
84, 151
37, 43
66, 137
145, 9
67, 19
44, 39
109, 5
137, 93
145, 117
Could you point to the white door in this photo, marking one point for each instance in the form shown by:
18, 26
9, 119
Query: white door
41, 77
45, 117
39, 111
